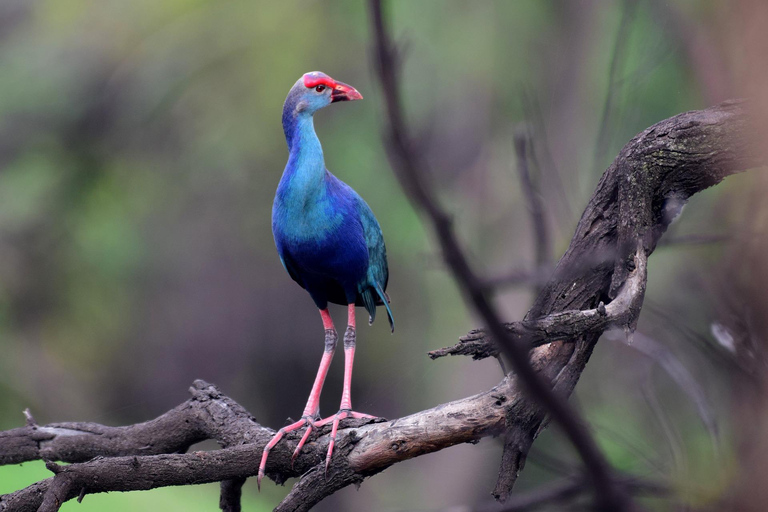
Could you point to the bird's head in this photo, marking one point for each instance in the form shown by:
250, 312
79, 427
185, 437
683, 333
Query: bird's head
316, 90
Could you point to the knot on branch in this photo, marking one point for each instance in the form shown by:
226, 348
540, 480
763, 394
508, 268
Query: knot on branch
54, 468
29, 419
201, 390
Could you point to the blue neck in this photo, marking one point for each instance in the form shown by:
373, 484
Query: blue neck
306, 165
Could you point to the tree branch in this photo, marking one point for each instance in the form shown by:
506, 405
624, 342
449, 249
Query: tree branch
409, 166
207, 415
563, 326
543, 250
363, 450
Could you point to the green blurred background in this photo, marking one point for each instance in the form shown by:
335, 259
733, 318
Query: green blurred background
140, 148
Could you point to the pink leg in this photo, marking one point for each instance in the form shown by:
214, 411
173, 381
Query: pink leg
351, 316
312, 408
346, 394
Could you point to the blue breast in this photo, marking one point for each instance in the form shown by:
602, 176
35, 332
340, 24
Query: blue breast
320, 239
327, 237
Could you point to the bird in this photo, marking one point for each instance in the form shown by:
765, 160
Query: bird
329, 242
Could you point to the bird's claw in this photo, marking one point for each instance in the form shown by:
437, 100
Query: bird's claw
311, 425
305, 420
336, 418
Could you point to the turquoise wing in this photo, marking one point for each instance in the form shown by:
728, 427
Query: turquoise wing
373, 291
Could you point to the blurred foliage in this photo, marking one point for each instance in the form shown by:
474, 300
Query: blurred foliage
140, 147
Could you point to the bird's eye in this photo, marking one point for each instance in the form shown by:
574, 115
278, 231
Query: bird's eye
320, 88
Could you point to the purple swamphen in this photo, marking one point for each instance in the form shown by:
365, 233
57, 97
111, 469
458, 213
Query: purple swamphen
328, 240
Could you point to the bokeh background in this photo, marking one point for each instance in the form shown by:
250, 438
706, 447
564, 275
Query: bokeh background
140, 148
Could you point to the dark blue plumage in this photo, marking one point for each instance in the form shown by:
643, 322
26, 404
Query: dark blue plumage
326, 235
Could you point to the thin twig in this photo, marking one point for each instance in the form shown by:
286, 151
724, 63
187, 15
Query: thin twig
683, 378
617, 58
409, 166
542, 246
702, 239
536, 278
565, 491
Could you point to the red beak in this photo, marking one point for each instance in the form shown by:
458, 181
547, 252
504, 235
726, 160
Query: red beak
344, 92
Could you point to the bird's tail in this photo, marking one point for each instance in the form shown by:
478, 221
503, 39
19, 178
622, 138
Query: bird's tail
385, 299
370, 304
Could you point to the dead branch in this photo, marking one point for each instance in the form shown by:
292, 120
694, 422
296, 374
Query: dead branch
409, 167
365, 449
536, 209
563, 326
636, 199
